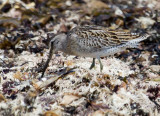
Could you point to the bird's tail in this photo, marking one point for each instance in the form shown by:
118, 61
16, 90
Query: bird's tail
135, 42
139, 39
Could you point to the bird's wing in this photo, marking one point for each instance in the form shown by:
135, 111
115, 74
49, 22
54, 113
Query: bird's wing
99, 37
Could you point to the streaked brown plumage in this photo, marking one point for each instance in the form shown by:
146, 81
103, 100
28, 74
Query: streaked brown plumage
93, 41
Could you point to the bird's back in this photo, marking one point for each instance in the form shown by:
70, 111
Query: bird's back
93, 39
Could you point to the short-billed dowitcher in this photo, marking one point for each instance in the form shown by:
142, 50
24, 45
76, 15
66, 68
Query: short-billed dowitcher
94, 42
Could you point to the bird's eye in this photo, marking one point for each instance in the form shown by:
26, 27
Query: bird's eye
54, 42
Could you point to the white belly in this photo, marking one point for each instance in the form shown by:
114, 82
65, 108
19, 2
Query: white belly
101, 53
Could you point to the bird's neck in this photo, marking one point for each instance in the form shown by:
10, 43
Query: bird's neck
66, 48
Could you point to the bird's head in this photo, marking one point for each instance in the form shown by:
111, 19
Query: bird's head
56, 44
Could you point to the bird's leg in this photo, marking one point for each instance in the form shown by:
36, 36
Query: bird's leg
48, 60
101, 66
93, 64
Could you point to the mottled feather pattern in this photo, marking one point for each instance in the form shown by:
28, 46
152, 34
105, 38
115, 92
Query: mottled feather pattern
95, 42
92, 36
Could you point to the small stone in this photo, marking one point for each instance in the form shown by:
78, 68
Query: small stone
155, 68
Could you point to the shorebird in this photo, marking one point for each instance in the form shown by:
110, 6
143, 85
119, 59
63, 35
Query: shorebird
94, 42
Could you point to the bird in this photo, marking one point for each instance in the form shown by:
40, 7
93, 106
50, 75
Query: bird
93, 41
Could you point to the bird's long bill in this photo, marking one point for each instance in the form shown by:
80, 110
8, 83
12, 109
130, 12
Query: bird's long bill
48, 60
